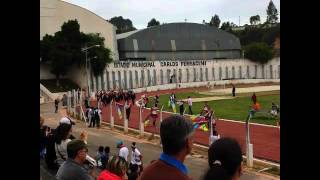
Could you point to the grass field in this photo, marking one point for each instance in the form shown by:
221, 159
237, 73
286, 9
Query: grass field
233, 109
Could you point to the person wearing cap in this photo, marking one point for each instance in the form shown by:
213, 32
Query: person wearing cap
66, 120
136, 157
176, 134
123, 150
73, 167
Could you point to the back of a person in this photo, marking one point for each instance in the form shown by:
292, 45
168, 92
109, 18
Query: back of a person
107, 175
124, 152
69, 170
160, 170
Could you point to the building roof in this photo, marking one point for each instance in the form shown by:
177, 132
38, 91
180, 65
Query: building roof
185, 36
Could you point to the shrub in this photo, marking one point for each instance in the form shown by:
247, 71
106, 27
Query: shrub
258, 52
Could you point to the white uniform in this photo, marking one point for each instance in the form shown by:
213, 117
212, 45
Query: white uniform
124, 152
135, 157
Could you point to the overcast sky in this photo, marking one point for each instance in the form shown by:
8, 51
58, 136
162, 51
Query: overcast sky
140, 12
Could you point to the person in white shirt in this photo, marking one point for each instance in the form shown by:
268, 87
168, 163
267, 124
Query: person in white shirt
62, 139
124, 151
136, 158
190, 105
214, 137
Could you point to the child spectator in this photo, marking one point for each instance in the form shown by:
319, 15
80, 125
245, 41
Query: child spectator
99, 155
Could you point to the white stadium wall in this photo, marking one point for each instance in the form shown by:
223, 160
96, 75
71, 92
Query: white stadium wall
117, 74
53, 13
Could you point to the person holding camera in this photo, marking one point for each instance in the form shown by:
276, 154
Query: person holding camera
73, 168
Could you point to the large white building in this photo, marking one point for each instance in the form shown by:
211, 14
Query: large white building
53, 13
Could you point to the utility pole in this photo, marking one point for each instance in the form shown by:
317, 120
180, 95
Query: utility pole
239, 21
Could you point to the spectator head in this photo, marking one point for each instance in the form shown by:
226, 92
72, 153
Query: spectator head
107, 149
41, 121
224, 158
176, 134
118, 166
215, 133
133, 145
66, 120
100, 149
77, 150
189, 96
119, 144
62, 132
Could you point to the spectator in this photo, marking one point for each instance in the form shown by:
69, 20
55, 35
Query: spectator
100, 153
127, 107
224, 158
116, 169
124, 151
56, 104
62, 139
233, 90
73, 167
133, 172
136, 158
254, 98
214, 137
190, 105
105, 157
44, 131
176, 134
181, 107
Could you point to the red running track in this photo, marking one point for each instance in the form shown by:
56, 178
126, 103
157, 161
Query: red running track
265, 140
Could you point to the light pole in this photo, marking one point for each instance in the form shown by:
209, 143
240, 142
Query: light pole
85, 49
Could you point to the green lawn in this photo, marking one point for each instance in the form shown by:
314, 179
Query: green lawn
233, 109
65, 85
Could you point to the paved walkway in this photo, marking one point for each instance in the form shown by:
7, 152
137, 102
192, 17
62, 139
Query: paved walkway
150, 151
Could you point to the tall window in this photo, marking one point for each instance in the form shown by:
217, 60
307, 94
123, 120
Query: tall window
125, 79
201, 73
168, 75
240, 72
194, 75
136, 79
213, 75
114, 80
187, 75
227, 73
130, 80
271, 72
262, 71
119, 80
255, 71
154, 77
248, 72
220, 73
142, 78
207, 78
278, 71
161, 76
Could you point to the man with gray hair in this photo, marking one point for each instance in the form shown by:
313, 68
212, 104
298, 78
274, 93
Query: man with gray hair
176, 134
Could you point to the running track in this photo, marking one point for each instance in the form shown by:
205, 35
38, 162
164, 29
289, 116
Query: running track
265, 140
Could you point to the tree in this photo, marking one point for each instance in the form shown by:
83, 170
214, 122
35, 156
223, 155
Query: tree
215, 21
254, 19
272, 13
153, 22
63, 50
258, 52
227, 26
123, 25
101, 53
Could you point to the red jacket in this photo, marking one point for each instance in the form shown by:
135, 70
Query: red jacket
106, 175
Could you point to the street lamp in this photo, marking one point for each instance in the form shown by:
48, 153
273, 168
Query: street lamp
85, 49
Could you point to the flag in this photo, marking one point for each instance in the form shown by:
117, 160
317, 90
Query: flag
118, 108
